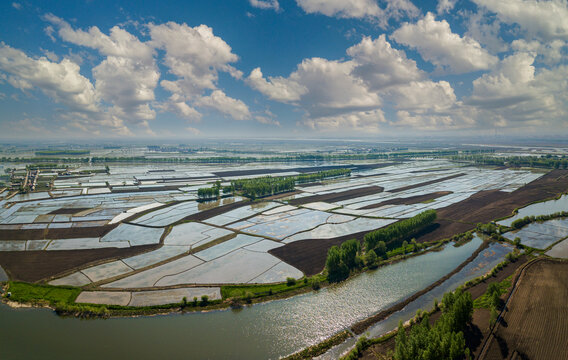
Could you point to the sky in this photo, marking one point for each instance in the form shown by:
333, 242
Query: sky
282, 69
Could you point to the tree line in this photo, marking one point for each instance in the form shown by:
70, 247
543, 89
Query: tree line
391, 236
519, 223
263, 186
239, 159
443, 340
547, 162
341, 260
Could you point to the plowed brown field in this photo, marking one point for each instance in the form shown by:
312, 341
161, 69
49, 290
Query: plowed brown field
535, 322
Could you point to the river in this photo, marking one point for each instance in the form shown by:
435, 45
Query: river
268, 330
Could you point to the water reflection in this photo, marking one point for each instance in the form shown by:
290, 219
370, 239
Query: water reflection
268, 330
483, 263
543, 208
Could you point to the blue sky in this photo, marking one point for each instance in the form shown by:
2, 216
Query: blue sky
282, 68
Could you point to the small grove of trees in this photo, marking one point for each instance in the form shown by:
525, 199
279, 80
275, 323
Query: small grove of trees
487, 229
443, 340
209, 193
392, 235
268, 185
263, 186
320, 175
342, 259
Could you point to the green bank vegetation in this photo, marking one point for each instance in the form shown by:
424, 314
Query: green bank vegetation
519, 223
491, 299
488, 299
62, 300
248, 293
443, 340
380, 244
393, 235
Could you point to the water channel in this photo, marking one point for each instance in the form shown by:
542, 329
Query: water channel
479, 266
541, 208
268, 330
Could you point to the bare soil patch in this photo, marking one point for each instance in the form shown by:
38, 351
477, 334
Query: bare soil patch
425, 183
56, 233
33, 266
409, 200
486, 206
534, 324
302, 170
443, 229
489, 205
309, 255
338, 196
209, 213
67, 211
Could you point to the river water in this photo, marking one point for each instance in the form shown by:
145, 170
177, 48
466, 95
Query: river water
479, 266
264, 331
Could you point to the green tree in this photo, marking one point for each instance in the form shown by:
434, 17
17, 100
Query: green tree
349, 250
336, 269
381, 249
400, 352
371, 259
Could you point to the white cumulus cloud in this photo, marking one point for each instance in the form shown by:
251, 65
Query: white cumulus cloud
276, 88
127, 76
194, 54
445, 6
265, 4
61, 81
448, 51
361, 9
219, 101
380, 65
539, 19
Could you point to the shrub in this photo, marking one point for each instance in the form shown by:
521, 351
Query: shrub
248, 297
290, 281
371, 259
315, 284
493, 317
